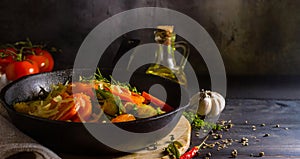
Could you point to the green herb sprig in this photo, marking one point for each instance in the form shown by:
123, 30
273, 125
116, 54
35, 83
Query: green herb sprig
198, 123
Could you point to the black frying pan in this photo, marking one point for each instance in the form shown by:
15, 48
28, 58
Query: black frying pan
71, 137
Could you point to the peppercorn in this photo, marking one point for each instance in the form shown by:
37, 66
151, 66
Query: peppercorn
230, 125
208, 154
220, 136
234, 153
261, 154
244, 139
211, 146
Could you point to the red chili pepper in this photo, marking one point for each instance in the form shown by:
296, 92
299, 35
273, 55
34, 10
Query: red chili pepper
164, 106
130, 97
191, 153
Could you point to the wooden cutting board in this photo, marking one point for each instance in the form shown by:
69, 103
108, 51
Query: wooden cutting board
181, 133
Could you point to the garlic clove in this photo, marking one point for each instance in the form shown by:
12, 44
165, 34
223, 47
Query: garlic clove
215, 109
204, 106
220, 99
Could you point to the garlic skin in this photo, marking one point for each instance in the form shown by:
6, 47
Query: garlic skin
204, 104
210, 103
215, 108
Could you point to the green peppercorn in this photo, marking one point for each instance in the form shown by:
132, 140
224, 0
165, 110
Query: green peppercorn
261, 154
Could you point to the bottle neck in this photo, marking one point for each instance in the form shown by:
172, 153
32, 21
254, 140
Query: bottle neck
165, 37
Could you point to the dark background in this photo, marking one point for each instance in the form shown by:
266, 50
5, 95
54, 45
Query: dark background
258, 39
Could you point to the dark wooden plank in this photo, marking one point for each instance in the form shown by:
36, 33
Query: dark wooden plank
283, 142
262, 111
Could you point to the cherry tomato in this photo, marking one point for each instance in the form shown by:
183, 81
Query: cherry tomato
19, 69
6, 56
41, 61
46, 64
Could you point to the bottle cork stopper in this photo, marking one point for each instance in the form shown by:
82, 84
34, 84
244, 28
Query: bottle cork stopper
168, 28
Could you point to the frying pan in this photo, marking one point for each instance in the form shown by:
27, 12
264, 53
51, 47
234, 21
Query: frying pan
77, 138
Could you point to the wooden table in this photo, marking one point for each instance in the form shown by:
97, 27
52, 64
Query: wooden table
271, 126
283, 141
257, 120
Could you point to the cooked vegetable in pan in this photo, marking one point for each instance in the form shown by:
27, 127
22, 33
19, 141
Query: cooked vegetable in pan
83, 101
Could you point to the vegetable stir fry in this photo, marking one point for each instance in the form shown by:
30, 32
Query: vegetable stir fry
83, 101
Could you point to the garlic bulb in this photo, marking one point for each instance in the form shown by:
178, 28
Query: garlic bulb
204, 104
210, 103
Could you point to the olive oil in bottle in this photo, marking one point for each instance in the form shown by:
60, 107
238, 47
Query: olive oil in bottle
165, 63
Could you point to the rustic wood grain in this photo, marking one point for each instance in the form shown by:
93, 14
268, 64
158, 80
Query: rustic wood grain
283, 142
181, 133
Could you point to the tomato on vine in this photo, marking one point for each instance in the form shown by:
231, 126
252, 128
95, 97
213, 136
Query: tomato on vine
43, 58
24, 58
7, 56
18, 69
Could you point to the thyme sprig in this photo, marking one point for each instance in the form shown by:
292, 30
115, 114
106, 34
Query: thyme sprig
197, 122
